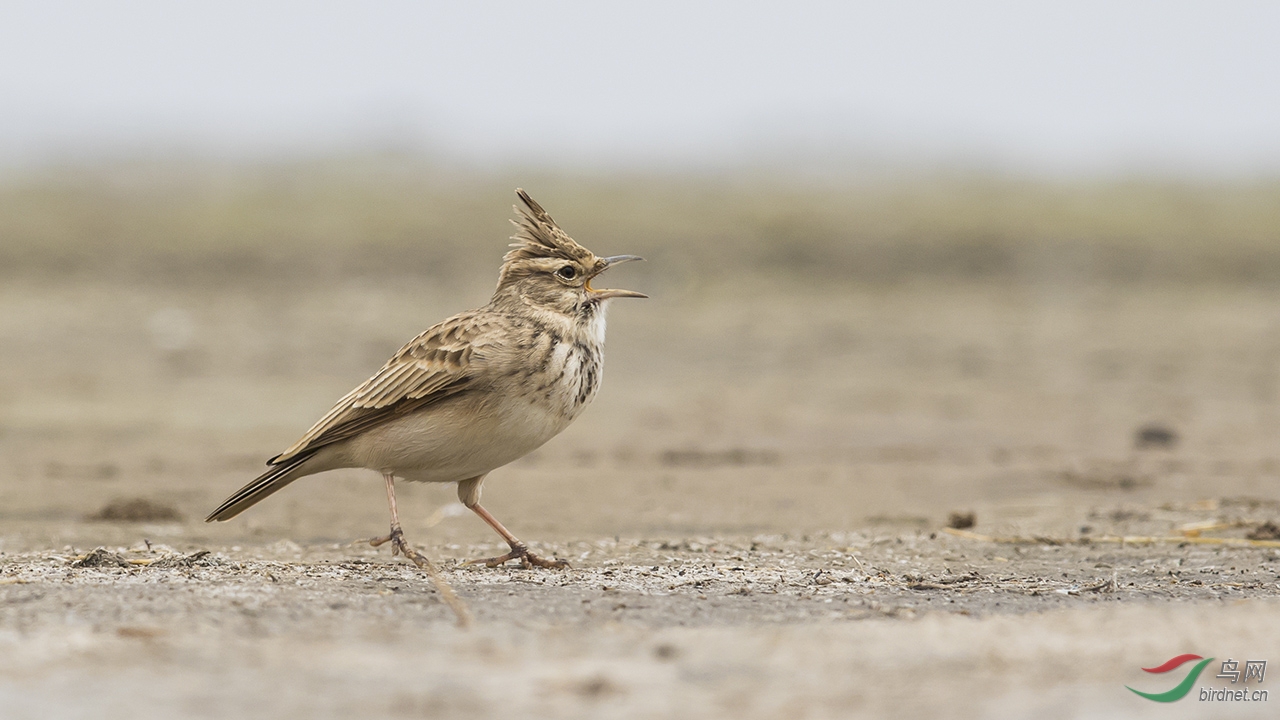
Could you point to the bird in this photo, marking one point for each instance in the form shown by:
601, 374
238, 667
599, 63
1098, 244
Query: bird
473, 392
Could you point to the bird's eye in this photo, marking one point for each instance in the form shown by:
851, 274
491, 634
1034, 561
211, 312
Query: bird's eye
568, 272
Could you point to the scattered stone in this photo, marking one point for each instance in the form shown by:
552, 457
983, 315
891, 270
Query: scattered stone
136, 510
1155, 436
595, 687
962, 520
1266, 531
666, 651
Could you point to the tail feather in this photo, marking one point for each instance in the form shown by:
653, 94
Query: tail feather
258, 490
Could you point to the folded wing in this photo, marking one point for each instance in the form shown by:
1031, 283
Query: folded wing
435, 365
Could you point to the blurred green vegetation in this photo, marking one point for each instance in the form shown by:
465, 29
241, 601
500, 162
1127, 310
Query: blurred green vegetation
203, 222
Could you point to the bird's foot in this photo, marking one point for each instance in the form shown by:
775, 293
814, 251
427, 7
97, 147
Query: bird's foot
400, 547
527, 560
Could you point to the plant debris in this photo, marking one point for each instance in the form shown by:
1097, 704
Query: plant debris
180, 561
100, 557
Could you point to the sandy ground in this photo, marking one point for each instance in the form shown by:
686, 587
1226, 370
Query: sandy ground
754, 508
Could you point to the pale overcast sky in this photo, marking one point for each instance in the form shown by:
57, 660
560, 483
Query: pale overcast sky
1078, 87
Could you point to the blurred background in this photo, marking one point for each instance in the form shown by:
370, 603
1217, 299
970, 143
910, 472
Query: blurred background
905, 258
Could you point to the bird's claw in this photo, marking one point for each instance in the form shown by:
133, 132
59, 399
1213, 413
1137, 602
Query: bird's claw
527, 560
400, 547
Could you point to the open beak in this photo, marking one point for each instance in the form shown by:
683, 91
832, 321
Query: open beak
606, 294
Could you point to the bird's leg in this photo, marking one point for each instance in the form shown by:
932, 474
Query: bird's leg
398, 545
396, 537
518, 549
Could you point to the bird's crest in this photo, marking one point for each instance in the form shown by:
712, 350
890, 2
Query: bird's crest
537, 236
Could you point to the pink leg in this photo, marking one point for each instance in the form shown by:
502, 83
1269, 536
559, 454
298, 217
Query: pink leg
399, 546
518, 549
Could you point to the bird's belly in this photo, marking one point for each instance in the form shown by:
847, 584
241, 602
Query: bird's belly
457, 440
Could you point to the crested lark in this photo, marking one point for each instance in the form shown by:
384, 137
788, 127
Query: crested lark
474, 392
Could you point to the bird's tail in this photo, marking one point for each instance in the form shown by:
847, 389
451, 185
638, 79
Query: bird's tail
258, 490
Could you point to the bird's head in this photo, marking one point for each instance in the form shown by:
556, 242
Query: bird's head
548, 270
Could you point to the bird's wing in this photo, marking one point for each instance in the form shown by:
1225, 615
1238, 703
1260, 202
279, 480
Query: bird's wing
439, 363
